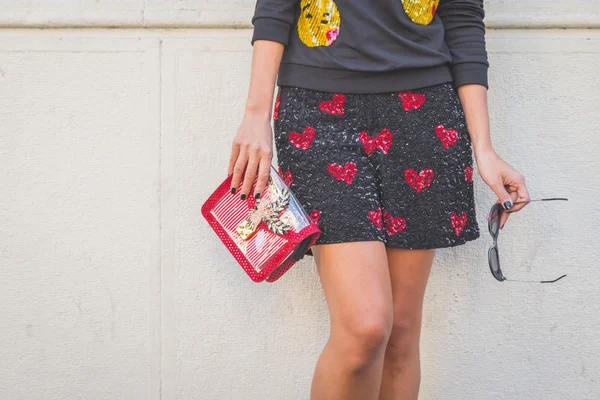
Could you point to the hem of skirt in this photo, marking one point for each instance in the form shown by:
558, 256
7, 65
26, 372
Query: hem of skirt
434, 245
391, 244
353, 240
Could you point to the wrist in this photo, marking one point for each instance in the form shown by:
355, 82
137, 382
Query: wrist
483, 149
258, 112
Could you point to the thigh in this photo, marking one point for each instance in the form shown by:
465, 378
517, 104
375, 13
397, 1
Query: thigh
427, 174
409, 274
318, 151
356, 281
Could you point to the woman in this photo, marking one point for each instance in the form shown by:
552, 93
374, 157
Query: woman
379, 109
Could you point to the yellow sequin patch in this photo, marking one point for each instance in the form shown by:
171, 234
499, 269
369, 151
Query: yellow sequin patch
319, 22
420, 11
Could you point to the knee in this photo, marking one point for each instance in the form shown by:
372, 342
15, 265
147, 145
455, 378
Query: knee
404, 339
364, 341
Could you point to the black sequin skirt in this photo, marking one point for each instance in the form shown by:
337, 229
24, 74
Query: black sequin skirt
395, 167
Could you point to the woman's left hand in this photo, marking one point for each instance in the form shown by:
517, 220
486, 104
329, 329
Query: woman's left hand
504, 180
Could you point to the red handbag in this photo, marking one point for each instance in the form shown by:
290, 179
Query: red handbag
266, 236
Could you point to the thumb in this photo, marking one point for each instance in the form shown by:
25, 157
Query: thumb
503, 195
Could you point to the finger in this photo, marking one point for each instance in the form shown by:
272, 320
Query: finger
235, 152
238, 170
264, 170
503, 196
249, 175
523, 194
506, 213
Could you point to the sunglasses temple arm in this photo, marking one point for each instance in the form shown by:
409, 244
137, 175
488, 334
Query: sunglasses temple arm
560, 277
546, 199
552, 281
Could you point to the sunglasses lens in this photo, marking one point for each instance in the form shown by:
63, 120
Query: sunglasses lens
494, 260
494, 220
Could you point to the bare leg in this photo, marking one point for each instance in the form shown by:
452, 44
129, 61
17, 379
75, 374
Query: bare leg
356, 282
409, 271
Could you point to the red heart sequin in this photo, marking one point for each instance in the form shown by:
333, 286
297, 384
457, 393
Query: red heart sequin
418, 180
369, 143
345, 173
393, 225
315, 215
276, 110
382, 141
410, 100
287, 176
469, 173
458, 222
375, 217
303, 140
433, 10
447, 136
335, 106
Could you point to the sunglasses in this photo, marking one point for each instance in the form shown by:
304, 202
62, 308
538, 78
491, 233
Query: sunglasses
494, 228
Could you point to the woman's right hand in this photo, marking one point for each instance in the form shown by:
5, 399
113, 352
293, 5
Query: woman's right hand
251, 154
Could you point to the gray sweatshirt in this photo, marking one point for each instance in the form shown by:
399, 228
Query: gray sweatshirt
371, 46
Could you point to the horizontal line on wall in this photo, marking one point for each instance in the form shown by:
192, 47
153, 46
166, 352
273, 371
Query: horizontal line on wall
498, 16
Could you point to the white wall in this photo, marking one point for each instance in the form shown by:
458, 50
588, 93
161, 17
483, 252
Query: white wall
114, 287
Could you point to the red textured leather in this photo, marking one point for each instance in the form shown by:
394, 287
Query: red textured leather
265, 255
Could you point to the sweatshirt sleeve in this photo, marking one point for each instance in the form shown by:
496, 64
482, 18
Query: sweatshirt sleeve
273, 20
465, 36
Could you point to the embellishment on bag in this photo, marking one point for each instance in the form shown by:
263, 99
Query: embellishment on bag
287, 176
469, 173
344, 173
393, 225
319, 22
418, 180
276, 109
458, 222
410, 100
420, 11
447, 136
268, 212
303, 140
382, 141
315, 216
334, 106
376, 217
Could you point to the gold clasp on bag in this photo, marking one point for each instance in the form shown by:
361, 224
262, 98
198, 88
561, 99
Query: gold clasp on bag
269, 212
